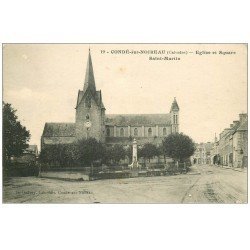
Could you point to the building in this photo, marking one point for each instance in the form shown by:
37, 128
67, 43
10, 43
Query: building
231, 149
29, 155
32, 149
91, 120
202, 154
240, 143
225, 146
214, 153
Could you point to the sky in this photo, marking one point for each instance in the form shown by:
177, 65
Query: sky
41, 81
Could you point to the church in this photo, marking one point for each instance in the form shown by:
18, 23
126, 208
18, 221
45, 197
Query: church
91, 120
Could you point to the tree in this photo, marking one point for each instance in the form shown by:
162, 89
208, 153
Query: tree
82, 152
15, 136
117, 153
71, 154
46, 155
61, 154
129, 152
89, 150
107, 154
178, 146
149, 151
161, 152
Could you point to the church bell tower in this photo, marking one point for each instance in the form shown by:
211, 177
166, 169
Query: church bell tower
174, 112
90, 111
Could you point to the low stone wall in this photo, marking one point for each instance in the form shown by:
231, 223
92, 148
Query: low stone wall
111, 175
99, 175
66, 175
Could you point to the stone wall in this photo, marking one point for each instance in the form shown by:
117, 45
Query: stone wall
175, 121
128, 141
96, 130
65, 175
240, 141
142, 131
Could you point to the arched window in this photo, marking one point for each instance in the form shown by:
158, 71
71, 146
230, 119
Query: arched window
164, 131
108, 131
87, 117
135, 132
122, 132
150, 132
88, 102
175, 119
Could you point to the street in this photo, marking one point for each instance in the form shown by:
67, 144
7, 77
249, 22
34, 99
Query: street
203, 184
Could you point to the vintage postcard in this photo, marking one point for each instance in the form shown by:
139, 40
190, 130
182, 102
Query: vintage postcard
125, 123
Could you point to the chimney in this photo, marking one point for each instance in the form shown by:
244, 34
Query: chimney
235, 123
243, 117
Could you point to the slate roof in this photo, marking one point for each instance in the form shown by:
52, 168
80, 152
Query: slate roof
59, 130
89, 86
243, 126
240, 127
89, 82
174, 105
208, 146
79, 98
138, 120
97, 97
31, 149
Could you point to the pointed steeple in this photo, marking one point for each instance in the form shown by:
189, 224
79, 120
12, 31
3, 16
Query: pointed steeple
89, 76
175, 106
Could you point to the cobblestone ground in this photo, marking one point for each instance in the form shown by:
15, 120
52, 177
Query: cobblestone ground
203, 184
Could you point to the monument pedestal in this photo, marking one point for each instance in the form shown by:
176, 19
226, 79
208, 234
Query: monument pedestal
134, 173
134, 169
134, 166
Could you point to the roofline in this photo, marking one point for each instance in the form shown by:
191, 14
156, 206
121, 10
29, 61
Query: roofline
58, 136
140, 125
85, 94
59, 122
140, 114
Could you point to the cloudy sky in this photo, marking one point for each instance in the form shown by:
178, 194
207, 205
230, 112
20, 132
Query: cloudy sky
42, 81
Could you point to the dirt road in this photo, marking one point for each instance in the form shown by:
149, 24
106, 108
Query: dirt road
203, 184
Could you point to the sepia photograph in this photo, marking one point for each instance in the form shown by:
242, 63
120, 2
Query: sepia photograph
125, 123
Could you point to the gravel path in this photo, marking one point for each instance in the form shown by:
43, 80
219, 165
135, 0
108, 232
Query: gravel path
204, 184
